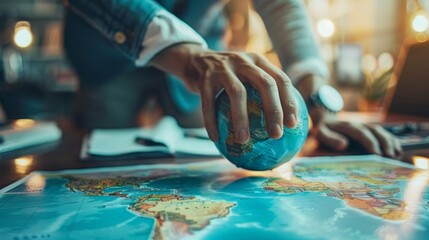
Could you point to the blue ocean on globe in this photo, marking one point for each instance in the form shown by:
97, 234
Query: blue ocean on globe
261, 152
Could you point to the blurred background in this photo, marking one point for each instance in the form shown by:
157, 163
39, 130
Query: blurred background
359, 39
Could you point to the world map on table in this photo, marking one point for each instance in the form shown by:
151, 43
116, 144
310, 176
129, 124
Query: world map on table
353, 197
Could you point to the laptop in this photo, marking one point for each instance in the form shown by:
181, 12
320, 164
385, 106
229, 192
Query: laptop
408, 94
409, 86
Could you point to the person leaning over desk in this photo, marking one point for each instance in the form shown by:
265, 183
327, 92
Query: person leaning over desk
123, 50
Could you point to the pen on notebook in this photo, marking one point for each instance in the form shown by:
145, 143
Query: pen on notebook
148, 142
191, 135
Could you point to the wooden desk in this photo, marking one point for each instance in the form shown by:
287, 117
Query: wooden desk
65, 155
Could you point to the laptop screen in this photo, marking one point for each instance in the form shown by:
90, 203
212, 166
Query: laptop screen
410, 82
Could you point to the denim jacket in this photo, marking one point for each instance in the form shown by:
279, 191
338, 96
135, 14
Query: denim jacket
115, 30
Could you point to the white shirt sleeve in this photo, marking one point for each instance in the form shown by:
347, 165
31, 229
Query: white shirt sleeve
309, 66
163, 31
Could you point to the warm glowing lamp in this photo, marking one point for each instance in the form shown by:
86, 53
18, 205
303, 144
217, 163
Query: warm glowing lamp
23, 36
326, 28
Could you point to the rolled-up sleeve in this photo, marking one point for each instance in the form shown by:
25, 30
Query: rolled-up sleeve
289, 28
139, 29
164, 31
123, 22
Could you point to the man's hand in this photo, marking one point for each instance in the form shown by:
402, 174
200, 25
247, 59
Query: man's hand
374, 138
207, 72
336, 134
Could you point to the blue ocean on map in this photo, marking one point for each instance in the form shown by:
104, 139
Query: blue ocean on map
219, 202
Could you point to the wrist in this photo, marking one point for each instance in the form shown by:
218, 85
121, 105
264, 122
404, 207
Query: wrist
176, 59
318, 114
308, 85
322, 100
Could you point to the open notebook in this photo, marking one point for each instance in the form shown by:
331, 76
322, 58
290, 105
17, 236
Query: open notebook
166, 139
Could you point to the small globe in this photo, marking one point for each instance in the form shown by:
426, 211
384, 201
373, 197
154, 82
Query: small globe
261, 152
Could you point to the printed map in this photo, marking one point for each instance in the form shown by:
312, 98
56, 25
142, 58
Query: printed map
354, 197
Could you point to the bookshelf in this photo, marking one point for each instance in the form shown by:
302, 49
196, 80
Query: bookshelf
33, 65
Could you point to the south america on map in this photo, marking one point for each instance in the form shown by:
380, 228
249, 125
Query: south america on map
353, 197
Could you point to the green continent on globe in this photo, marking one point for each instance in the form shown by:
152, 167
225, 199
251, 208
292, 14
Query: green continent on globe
257, 134
261, 152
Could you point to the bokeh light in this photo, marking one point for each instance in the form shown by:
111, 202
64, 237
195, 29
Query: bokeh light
385, 61
420, 22
421, 37
23, 123
23, 164
35, 183
421, 162
326, 28
23, 36
369, 63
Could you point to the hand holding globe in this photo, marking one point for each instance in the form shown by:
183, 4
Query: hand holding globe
261, 152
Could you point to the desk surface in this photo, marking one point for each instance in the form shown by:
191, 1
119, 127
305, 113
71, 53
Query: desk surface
65, 154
